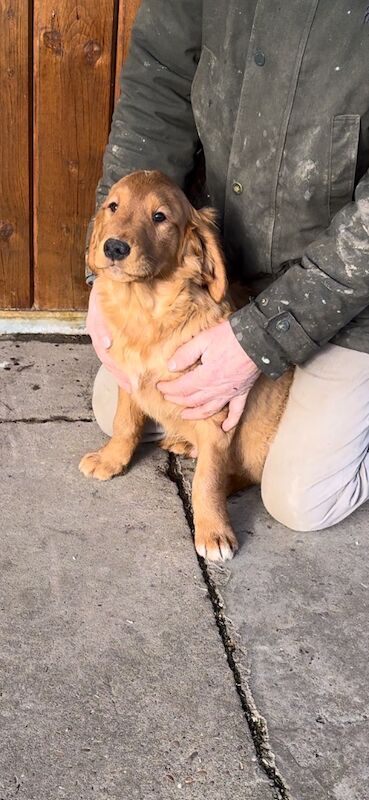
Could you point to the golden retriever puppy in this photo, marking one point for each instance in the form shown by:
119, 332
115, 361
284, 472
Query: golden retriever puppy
161, 279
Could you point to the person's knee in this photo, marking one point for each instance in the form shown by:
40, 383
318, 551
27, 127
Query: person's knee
105, 400
293, 504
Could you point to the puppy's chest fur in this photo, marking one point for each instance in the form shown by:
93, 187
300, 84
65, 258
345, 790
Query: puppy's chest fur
148, 324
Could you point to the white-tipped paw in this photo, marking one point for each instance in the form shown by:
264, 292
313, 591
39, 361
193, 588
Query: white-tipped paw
216, 545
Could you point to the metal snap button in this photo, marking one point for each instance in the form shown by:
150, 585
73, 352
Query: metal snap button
259, 58
282, 325
237, 187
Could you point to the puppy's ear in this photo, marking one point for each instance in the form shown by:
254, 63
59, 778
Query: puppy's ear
207, 248
93, 238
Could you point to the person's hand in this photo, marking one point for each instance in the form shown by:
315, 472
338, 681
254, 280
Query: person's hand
102, 341
225, 376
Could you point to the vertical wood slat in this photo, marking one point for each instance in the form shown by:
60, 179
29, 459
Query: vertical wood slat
72, 87
14, 155
126, 17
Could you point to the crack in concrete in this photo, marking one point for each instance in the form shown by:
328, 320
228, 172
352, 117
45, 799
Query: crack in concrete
43, 420
256, 722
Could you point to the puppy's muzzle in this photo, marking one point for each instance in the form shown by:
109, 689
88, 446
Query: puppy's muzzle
116, 250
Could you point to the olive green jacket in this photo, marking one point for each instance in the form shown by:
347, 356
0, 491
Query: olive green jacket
277, 94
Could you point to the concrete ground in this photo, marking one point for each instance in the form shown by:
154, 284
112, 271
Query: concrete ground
129, 669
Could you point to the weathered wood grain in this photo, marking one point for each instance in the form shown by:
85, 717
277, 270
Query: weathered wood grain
78, 52
126, 17
73, 44
14, 155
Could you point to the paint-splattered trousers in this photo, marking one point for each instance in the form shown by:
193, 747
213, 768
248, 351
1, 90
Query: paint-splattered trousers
317, 469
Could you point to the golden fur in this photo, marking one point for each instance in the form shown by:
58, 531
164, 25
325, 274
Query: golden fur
171, 286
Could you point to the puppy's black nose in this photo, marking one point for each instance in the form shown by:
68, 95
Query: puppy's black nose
116, 249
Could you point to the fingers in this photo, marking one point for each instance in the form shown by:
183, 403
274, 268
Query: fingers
122, 381
202, 412
187, 384
188, 353
235, 409
191, 400
117, 373
101, 346
100, 351
101, 340
95, 323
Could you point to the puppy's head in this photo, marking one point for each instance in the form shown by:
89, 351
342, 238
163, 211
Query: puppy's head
147, 229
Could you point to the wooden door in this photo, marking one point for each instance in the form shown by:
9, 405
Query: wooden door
15, 241
60, 63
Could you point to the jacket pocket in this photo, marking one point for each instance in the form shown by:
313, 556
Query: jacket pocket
343, 158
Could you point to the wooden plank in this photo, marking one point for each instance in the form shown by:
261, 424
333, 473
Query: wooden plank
73, 79
126, 17
14, 155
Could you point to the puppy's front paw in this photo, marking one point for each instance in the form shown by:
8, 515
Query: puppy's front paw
99, 465
216, 545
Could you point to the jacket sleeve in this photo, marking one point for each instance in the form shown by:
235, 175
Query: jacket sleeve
153, 125
307, 305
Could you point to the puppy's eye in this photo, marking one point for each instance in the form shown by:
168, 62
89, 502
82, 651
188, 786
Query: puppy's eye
158, 217
113, 207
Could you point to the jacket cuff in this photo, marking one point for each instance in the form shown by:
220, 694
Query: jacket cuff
90, 278
274, 343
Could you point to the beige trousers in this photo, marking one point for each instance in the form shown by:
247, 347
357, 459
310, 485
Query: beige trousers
104, 406
316, 472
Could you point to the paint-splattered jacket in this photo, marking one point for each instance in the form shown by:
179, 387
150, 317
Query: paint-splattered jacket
278, 95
